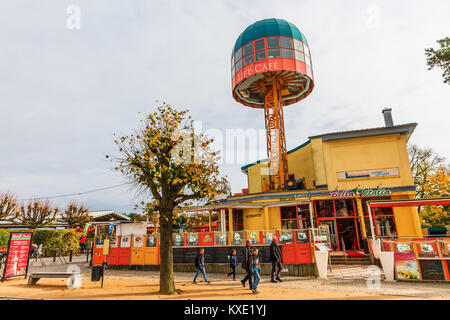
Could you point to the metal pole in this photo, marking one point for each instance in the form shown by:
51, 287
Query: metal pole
70, 255
54, 255
372, 229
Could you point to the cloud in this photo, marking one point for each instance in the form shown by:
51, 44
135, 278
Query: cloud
64, 92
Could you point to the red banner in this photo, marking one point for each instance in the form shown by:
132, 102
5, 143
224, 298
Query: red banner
18, 254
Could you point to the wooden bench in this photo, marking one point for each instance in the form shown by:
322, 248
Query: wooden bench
33, 278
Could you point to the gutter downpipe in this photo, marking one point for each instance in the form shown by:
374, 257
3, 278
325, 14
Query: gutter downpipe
375, 247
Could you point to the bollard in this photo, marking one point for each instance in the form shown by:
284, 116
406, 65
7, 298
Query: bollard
70, 255
54, 256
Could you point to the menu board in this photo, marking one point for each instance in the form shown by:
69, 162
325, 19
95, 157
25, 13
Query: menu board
406, 266
18, 255
432, 269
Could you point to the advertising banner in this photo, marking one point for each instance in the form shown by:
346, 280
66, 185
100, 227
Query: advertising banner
18, 255
406, 266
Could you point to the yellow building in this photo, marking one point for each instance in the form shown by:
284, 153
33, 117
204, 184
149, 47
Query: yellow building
331, 176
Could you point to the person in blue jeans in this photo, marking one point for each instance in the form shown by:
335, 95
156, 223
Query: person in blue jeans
233, 264
200, 265
255, 269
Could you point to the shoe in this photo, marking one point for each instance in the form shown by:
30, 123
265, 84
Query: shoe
234, 279
243, 283
194, 282
254, 291
279, 280
273, 281
208, 282
227, 276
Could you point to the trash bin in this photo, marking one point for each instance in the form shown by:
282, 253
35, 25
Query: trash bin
97, 273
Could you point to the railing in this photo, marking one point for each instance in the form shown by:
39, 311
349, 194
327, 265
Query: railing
239, 238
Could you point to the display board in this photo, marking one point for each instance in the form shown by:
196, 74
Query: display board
217, 254
406, 266
432, 269
18, 255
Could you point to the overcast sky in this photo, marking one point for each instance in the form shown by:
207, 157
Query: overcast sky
64, 92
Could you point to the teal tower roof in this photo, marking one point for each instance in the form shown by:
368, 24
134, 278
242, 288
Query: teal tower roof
267, 28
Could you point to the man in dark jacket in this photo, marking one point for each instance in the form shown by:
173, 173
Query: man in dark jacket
245, 264
200, 265
275, 258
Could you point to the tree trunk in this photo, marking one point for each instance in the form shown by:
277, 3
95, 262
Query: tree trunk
166, 281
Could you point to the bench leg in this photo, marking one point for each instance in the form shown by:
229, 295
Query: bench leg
32, 281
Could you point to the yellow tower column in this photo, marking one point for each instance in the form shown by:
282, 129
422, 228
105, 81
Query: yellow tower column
361, 215
209, 218
266, 218
230, 219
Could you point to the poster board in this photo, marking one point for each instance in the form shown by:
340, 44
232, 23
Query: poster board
432, 269
138, 241
18, 255
322, 247
125, 241
406, 267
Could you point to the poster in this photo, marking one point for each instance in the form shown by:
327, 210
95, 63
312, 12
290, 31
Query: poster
432, 269
125, 241
138, 241
18, 254
406, 266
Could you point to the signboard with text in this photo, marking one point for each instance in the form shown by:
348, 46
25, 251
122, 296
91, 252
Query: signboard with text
367, 174
18, 255
366, 192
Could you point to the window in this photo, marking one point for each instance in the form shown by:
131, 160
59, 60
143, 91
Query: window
273, 42
385, 226
248, 48
286, 42
288, 218
259, 45
344, 208
306, 50
260, 53
239, 65
238, 219
303, 215
299, 56
288, 53
324, 208
248, 59
274, 53
298, 45
248, 53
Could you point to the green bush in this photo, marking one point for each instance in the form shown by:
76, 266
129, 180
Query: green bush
49, 238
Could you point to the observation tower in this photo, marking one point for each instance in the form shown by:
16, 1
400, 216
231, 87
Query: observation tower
271, 68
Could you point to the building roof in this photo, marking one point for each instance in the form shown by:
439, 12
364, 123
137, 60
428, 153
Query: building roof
267, 28
107, 215
403, 129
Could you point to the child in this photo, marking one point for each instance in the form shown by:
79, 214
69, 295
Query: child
233, 264
255, 269
200, 265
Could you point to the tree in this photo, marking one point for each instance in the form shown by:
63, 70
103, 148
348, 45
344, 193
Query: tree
440, 58
166, 159
75, 215
437, 185
136, 217
8, 206
422, 162
36, 214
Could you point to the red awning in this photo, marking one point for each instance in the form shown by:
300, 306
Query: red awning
411, 203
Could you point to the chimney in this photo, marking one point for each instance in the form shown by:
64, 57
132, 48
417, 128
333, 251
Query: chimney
387, 113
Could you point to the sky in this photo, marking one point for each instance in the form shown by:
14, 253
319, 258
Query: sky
72, 73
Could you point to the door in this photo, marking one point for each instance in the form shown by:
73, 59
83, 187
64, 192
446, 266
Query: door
330, 224
347, 234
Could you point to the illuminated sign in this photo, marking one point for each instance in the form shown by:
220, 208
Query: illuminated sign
366, 192
377, 173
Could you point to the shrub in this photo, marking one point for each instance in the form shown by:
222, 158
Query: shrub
49, 238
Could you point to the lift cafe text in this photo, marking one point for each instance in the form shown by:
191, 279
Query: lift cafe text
379, 192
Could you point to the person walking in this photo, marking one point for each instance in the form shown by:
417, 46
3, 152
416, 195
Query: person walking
83, 243
245, 264
255, 269
233, 264
200, 265
276, 259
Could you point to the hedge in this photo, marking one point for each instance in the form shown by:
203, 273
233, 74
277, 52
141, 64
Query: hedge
49, 238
